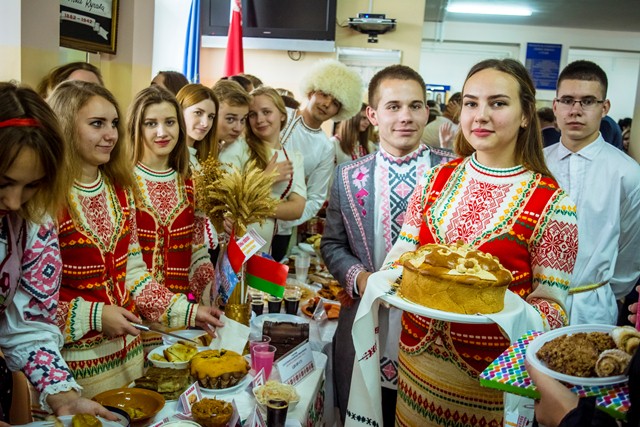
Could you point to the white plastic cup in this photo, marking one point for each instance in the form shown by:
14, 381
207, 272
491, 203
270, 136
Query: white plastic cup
303, 261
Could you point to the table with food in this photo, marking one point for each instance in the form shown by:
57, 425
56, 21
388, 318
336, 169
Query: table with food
224, 376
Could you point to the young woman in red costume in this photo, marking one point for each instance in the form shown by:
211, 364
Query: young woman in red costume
105, 281
499, 198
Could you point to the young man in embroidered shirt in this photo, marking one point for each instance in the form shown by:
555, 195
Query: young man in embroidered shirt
366, 210
334, 92
605, 185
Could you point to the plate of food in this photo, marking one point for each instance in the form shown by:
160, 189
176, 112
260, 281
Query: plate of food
387, 282
258, 322
175, 356
450, 282
587, 355
241, 385
138, 403
330, 307
169, 382
78, 420
220, 371
201, 337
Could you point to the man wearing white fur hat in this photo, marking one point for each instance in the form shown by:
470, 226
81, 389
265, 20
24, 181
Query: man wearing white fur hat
333, 92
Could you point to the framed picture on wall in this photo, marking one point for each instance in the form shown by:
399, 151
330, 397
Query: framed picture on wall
89, 25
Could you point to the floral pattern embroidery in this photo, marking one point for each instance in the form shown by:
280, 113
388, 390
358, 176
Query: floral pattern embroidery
360, 176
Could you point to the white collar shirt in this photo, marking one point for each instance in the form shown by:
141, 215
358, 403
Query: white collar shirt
604, 183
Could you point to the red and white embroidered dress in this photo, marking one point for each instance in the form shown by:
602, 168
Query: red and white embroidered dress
171, 231
103, 265
526, 221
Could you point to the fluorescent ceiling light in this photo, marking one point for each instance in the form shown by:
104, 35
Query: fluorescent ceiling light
488, 9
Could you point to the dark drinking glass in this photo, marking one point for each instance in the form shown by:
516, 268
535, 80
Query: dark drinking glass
277, 412
274, 304
291, 305
257, 307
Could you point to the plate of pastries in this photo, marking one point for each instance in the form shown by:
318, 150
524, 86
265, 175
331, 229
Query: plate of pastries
589, 355
220, 371
451, 282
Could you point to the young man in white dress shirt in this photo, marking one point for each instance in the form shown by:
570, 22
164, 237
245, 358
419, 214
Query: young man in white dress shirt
334, 92
605, 185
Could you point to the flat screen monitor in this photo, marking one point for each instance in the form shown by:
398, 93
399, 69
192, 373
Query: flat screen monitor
273, 24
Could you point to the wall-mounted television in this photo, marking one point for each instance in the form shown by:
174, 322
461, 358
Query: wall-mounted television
304, 25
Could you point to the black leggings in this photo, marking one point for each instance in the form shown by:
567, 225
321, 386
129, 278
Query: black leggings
6, 385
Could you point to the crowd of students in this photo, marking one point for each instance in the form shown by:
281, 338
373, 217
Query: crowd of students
92, 203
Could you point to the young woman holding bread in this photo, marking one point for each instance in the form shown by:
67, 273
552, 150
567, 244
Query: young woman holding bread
501, 199
105, 281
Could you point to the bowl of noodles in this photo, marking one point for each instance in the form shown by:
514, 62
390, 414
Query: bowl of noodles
276, 390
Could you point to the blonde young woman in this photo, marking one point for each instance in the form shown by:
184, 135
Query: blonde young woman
105, 282
199, 109
267, 116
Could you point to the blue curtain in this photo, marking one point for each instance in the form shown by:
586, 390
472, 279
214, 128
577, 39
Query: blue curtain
191, 64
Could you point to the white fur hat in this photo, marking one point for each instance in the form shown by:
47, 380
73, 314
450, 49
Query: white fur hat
336, 79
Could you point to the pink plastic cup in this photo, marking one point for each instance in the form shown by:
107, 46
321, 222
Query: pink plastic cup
264, 340
263, 358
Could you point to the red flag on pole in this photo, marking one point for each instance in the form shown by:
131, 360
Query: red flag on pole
234, 62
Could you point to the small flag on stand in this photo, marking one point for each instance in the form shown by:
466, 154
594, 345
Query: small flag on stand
231, 259
229, 264
267, 275
234, 60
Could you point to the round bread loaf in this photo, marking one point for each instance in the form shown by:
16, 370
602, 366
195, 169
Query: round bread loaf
218, 369
454, 278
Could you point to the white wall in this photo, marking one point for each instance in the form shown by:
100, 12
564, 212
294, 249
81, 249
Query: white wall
447, 63
450, 49
169, 33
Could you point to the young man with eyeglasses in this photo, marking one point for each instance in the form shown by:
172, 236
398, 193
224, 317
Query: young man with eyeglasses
605, 185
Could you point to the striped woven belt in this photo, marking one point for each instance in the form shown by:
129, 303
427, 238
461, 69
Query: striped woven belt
587, 288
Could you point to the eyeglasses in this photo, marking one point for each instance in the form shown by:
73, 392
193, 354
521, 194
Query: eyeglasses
587, 103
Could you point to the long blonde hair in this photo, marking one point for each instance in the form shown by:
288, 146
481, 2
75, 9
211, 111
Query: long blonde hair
258, 150
66, 100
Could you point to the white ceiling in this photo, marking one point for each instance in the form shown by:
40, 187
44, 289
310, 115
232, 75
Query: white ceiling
612, 15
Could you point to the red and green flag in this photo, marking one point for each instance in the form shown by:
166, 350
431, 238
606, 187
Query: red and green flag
266, 275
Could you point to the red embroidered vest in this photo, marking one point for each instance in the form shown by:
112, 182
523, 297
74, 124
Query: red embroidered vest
90, 271
167, 248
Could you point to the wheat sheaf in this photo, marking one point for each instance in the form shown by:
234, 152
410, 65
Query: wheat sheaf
223, 190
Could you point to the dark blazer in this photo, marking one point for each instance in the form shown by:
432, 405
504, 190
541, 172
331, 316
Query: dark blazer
347, 249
